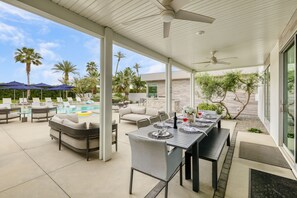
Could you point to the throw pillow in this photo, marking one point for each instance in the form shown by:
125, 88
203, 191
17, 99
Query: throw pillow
75, 125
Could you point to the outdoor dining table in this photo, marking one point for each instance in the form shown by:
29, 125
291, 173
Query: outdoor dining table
184, 141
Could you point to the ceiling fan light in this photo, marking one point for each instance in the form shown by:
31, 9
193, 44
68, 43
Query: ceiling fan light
167, 15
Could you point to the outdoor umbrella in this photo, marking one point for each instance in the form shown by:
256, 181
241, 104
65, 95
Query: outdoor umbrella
12, 83
43, 86
22, 87
61, 88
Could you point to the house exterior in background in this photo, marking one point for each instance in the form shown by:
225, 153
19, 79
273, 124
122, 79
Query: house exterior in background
181, 90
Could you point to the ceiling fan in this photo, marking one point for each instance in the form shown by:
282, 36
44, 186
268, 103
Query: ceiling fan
169, 10
214, 60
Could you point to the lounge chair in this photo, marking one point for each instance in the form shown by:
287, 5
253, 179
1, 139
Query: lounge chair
68, 105
48, 100
36, 100
70, 100
6, 101
59, 100
78, 99
23, 101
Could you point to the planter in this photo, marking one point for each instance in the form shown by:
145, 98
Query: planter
191, 118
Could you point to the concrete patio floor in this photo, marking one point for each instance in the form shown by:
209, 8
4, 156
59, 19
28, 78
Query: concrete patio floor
32, 166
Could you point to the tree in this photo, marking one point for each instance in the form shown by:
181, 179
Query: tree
93, 75
137, 67
119, 55
139, 86
28, 56
122, 81
66, 68
215, 88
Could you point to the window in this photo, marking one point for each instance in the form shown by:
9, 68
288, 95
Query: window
267, 93
152, 91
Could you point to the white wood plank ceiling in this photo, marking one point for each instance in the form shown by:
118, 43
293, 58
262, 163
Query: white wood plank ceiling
247, 29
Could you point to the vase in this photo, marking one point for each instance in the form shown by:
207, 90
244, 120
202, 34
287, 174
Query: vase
191, 118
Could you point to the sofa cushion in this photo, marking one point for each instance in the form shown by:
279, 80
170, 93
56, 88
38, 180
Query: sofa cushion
5, 106
71, 117
43, 115
152, 111
135, 117
138, 110
57, 119
10, 115
94, 125
76, 143
125, 111
74, 125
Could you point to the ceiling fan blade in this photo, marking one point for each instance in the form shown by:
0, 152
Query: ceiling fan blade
166, 29
190, 16
178, 4
227, 58
158, 4
223, 63
202, 62
140, 19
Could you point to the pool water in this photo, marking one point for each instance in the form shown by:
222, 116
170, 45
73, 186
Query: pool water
75, 109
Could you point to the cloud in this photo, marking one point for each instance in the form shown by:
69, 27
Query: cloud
44, 30
45, 49
93, 46
154, 69
11, 34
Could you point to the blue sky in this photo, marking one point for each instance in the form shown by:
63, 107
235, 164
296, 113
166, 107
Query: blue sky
55, 43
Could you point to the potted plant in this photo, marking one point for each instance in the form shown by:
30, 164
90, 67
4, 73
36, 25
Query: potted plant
189, 112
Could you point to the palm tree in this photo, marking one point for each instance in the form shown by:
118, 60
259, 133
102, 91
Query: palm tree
119, 55
66, 68
137, 67
122, 81
28, 56
93, 75
91, 68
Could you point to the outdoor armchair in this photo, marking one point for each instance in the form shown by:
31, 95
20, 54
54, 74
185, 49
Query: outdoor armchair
151, 157
143, 123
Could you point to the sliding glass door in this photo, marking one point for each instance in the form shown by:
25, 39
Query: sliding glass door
289, 99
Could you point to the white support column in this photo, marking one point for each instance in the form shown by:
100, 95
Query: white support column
192, 87
102, 71
168, 86
106, 95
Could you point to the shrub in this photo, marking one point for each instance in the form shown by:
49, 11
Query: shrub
255, 130
211, 107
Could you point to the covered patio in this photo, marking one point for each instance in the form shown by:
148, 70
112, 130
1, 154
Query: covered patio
34, 167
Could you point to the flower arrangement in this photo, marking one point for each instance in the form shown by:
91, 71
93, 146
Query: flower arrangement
189, 110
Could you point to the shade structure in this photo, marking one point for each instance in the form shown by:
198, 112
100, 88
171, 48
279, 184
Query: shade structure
42, 85
22, 87
12, 83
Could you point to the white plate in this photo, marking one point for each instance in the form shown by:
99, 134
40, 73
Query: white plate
164, 134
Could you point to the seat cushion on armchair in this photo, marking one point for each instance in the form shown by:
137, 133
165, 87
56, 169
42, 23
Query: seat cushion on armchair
138, 109
152, 111
57, 119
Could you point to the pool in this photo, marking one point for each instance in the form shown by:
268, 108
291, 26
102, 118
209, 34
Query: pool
79, 108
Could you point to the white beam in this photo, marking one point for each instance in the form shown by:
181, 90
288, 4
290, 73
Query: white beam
54, 12
181, 66
168, 86
106, 93
192, 87
102, 104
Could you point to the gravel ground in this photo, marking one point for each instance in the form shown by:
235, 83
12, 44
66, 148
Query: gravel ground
244, 123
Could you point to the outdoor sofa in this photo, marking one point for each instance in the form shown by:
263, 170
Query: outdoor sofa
43, 112
9, 113
77, 136
135, 113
